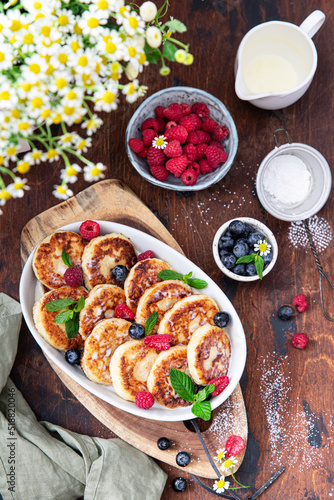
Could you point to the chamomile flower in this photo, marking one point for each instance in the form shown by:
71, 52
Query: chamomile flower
66, 20
160, 142
51, 155
133, 24
121, 13
92, 125
22, 167
111, 45
34, 157
221, 485
227, 464
92, 21
220, 455
69, 174
34, 69
62, 192
6, 56
17, 188
94, 172
4, 196
66, 140
106, 98
82, 144
263, 247
132, 91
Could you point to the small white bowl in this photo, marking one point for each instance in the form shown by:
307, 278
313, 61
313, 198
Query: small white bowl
258, 226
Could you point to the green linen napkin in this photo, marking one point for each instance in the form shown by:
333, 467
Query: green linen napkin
39, 460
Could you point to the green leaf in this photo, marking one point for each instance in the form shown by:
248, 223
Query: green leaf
169, 51
202, 410
168, 274
66, 259
57, 305
64, 316
259, 265
151, 322
246, 259
204, 393
175, 25
80, 305
72, 326
196, 283
182, 384
152, 55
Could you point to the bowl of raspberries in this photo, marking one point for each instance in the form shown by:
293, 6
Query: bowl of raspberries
182, 138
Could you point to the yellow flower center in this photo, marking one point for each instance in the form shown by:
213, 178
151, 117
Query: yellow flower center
95, 171
71, 95
63, 20
24, 126
5, 95
35, 68
46, 30
62, 58
28, 39
18, 185
77, 30
220, 455
39, 15
115, 76
123, 11
83, 61
114, 67
169, 34
15, 113
4, 195
81, 144
26, 86
16, 25
159, 142
75, 46
46, 113
102, 4
71, 171
50, 69
68, 110
133, 22
228, 463
131, 89
37, 5
61, 189
92, 23
67, 138
37, 102
61, 83
23, 167
11, 151
110, 47
221, 483
2, 159
36, 155
132, 51
52, 153
262, 247
2, 56
142, 58
108, 97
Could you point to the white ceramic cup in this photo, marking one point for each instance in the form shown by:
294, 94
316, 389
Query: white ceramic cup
280, 40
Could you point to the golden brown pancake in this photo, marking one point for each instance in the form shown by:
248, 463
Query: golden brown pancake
48, 264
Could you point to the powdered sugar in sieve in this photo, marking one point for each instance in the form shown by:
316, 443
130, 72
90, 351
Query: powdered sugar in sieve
320, 229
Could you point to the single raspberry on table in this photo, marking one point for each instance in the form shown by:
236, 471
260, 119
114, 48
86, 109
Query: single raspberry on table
191, 122
174, 112
190, 151
159, 342
234, 445
203, 137
299, 341
73, 276
178, 133
193, 138
205, 168
89, 229
136, 145
189, 177
155, 156
200, 109
159, 172
209, 124
220, 133
177, 165
215, 156
148, 135
220, 384
150, 123
300, 301
185, 108
195, 166
145, 255
200, 150
173, 149
144, 400
143, 154
169, 125
123, 311
159, 111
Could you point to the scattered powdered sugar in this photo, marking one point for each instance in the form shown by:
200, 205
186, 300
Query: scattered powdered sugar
320, 229
231, 419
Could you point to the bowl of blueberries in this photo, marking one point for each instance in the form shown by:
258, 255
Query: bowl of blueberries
245, 249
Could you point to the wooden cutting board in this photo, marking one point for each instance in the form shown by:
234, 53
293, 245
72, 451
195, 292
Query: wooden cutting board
113, 201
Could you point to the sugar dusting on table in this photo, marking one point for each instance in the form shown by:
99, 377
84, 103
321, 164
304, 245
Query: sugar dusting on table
320, 229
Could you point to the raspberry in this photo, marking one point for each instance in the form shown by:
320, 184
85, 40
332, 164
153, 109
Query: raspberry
233, 446
215, 156
173, 149
73, 276
190, 151
209, 124
174, 112
159, 342
185, 108
150, 123
144, 400
217, 144
220, 133
145, 255
170, 125
162, 124
155, 156
123, 311
220, 384
159, 111
205, 168
189, 177
193, 138
148, 136
200, 151
179, 133
136, 145
143, 154
203, 137
89, 229
195, 166
191, 122
200, 109
299, 341
159, 172
301, 302
177, 165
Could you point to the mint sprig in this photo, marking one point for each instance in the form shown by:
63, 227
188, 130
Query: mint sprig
168, 274
258, 262
66, 259
70, 317
185, 388
151, 322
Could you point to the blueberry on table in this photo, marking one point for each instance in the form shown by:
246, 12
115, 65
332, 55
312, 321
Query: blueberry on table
163, 443
137, 331
240, 249
221, 319
73, 356
254, 238
239, 269
120, 273
237, 228
226, 243
285, 313
182, 458
179, 484
229, 260
250, 269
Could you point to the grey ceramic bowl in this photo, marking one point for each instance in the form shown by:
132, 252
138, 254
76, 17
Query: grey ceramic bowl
189, 95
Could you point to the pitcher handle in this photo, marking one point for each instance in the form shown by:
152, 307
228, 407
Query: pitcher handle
313, 23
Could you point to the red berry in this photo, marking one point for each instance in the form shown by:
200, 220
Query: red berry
191, 122
173, 149
200, 109
159, 342
190, 151
150, 123
200, 150
73, 276
205, 168
136, 145
123, 311
195, 166
193, 138
185, 108
299, 341
144, 400
170, 125
148, 135
203, 137
301, 302
220, 133
217, 144
215, 156
220, 384
189, 177
178, 133
174, 112
162, 124
143, 154
155, 156
89, 229
209, 124
177, 165
159, 111
233, 446
159, 172
145, 255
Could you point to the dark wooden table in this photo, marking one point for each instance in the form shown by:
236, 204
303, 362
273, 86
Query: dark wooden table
288, 393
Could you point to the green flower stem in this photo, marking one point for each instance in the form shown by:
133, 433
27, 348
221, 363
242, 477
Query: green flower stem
2, 184
63, 127
185, 47
66, 160
5, 170
37, 138
88, 109
234, 479
79, 156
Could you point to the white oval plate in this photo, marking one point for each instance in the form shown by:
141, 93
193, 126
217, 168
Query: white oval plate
142, 242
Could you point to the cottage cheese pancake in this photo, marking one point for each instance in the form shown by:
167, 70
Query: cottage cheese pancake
48, 264
100, 346
54, 333
186, 316
100, 304
209, 352
159, 298
143, 275
158, 381
102, 254
130, 366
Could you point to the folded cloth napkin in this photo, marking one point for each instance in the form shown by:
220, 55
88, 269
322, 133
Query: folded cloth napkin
39, 460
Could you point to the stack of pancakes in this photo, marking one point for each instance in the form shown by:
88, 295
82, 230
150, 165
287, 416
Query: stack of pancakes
110, 356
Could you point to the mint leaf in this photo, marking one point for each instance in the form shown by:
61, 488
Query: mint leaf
169, 51
80, 305
64, 316
66, 259
246, 259
151, 322
196, 283
57, 305
202, 410
175, 25
168, 274
204, 393
182, 384
259, 265
152, 55
72, 326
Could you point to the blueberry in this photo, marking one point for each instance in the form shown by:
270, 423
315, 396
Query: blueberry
248, 229
199, 388
267, 258
182, 458
242, 240
229, 260
239, 269
222, 253
226, 243
254, 238
73, 356
251, 269
227, 233
136, 331
179, 484
221, 319
237, 228
285, 313
240, 249
120, 273
163, 443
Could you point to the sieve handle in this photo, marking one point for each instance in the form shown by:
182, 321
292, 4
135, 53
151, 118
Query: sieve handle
281, 130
